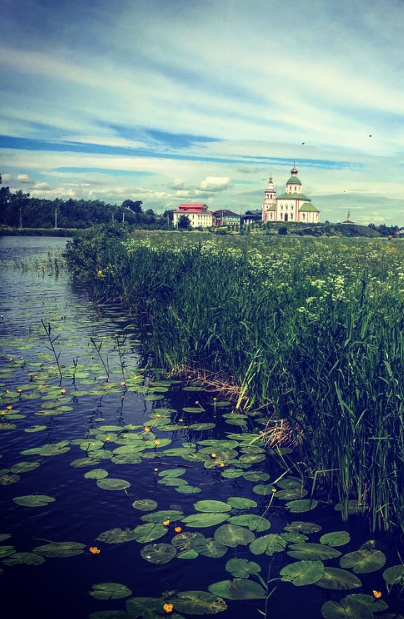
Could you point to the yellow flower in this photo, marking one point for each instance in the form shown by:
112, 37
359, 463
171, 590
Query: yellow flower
107, 438
94, 550
19, 390
158, 415
274, 490
63, 391
213, 455
3, 413
377, 594
7, 390
147, 429
168, 608
180, 420
123, 383
155, 470
9, 408
215, 399
222, 464
158, 442
178, 529
166, 523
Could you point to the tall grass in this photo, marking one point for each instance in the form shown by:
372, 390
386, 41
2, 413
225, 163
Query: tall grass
309, 329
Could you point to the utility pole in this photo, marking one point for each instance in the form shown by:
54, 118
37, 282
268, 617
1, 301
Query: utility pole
20, 218
56, 217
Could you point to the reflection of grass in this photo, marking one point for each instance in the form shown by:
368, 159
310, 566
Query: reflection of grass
313, 329
53, 264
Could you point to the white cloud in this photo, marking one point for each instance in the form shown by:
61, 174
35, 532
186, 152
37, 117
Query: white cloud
215, 183
23, 178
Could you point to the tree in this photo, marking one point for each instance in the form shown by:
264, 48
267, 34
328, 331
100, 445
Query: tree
135, 207
184, 223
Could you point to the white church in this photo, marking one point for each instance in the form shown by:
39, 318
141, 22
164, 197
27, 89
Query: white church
292, 206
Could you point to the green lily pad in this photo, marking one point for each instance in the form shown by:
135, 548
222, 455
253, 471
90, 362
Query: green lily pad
143, 607
209, 547
5, 551
7, 480
303, 573
375, 605
242, 568
145, 505
233, 535
346, 609
238, 589
269, 544
35, 428
364, 561
117, 536
203, 520
256, 476
188, 489
33, 500
232, 473
300, 526
212, 506
301, 505
60, 549
338, 538
162, 515
149, 532
193, 409
173, 472
394, 575
239, 502
263, 489
335, 578
110, 483
158, 553
110, 591
24, 558
312, 552
252, 522
96, 474
23, 467
199, 603
290, 494
198, 427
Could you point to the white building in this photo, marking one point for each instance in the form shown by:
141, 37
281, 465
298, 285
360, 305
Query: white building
198, 214
292, 206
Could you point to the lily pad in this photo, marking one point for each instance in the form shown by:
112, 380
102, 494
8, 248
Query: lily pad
394, 575
239, 502
335, 578
199, 603
312, 552
145, 505
303, 573
338, 538
209, 547
238, 589
117, 536
364, 561
300, 526
242, 568
60, 549
149, 532
301, 505
110, 483
233, 535
23, 558
33, 500
110, 591
23, 467
162, 515
252, 522
212, 506
346, 609
203, 520
269, 544
96, 474
158, 553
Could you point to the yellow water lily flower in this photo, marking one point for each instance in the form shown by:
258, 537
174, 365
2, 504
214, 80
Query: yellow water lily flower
213, 455
147, 429
168, 608
166, 523
377, 594
9, 408
94, 550
157, 442
178, 529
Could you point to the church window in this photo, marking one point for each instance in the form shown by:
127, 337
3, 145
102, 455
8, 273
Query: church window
281, 207
291, 216
303, 216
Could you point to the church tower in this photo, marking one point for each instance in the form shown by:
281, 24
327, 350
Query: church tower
294, 185
269, 200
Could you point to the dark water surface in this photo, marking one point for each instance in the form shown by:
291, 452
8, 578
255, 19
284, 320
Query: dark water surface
81, 511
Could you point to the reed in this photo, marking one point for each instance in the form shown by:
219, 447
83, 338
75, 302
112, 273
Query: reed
309, 329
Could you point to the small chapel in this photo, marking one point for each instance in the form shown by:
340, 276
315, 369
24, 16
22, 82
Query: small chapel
291, 206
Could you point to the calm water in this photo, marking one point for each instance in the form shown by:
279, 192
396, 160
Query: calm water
41, 415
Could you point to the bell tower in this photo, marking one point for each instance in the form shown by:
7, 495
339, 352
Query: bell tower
269, 199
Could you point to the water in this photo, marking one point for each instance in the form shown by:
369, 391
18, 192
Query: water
81, 511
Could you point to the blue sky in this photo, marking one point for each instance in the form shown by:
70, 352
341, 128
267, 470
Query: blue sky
182, 101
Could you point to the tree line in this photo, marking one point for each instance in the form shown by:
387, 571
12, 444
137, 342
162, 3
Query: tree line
19, 210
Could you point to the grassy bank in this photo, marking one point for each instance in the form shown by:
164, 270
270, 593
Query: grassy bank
310, 330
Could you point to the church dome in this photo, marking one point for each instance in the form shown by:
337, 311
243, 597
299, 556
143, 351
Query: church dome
294, 181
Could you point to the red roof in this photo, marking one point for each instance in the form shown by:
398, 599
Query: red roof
192, 208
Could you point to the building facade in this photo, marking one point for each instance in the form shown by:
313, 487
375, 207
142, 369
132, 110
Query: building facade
198, 214
225, 217
291, 206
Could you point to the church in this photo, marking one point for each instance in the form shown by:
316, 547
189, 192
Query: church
291, 206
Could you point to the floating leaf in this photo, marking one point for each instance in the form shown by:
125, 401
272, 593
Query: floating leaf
110, 483
185, 540
239, 502
7, 480
242, 568
263, 489
160, 516
232, 535
193, 409
158, 553
199, 603
208, 547
269, 544
301, 505
312, 552
303, 572
60, 549
347, 609
290, 494
201, 426
35, 428
338, 538
143, 607
303, 527
256, 476
33, 500
109, 591
188, 489
96, 474
394, 575
26, 558
368, 600
173, 472
145, 505
352, 506
5, 551
363, 561
23, 467
238, 589
149, 532
252, 521
212, 506
117, 536
335, 578
205, 519
232, 473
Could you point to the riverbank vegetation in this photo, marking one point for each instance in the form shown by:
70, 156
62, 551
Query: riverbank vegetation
310, 331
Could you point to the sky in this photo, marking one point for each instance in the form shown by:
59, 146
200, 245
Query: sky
178, 101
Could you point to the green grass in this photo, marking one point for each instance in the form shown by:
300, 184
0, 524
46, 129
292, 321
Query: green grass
311, 329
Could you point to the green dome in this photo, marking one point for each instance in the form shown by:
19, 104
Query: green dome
294, 181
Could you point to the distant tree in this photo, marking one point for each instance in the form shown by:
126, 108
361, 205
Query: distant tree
283, 230
184, 223
135, 207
